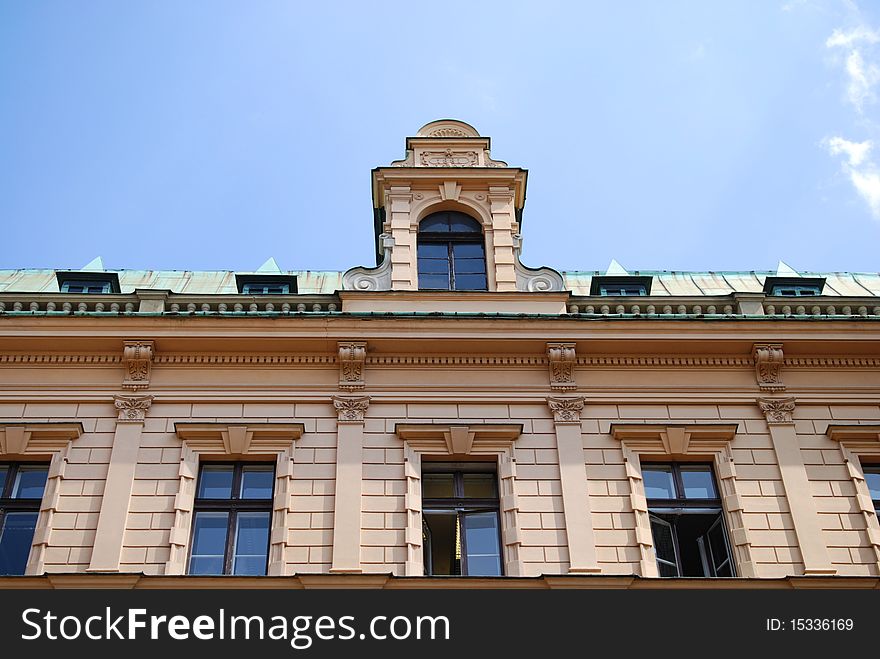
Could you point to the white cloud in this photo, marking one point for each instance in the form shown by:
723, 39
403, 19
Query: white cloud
856, 152
862, 79
867, 184
862, 172
861, 33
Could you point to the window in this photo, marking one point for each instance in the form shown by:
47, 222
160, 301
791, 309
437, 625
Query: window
795, 291
21, 489
460, 519
451, 253
622, 291
231, 519
73, 286
872, 479
265, 289
687, 521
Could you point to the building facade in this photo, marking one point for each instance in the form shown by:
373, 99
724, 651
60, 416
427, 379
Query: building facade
450, 412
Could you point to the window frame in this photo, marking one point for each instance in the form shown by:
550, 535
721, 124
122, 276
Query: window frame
232, 506
450, 239
19, 505
462, 505
872, 468
658, 506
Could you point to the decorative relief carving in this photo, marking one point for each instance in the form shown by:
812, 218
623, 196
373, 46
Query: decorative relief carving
369, 279
351, 364
537, 280
777, 410
449, 158
132, 408
351, 409
138, 358
768, 366
566, 410
562, 358
448, 131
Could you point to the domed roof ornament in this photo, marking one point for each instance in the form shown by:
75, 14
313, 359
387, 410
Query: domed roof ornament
447, 128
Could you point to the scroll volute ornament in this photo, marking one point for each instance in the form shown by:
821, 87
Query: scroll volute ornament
562, 358
138, 358
768, 366
351, 365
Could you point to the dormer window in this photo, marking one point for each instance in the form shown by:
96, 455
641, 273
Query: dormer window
451, 253
620, 286
88, 283
794, 286
266, 284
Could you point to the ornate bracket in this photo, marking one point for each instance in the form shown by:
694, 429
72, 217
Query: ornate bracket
777, 410
132, 408
562, 359
351, 409
566, 410
351, 364
138, 358
768, 366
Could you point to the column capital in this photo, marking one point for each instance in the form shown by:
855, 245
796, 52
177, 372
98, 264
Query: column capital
351, 409
777, 410
566, 409
132, 409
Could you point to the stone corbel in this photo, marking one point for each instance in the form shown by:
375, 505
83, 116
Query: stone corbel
768, 366
566, 409
777, 410
351, 364
562, 358
132, 408
351, 409
138, 358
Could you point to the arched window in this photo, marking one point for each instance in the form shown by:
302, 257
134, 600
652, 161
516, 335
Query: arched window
452, 256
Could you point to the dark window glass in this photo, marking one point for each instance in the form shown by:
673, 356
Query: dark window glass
215, 482
21, 490
461, 520
265, 289
232, 519
85, 287
687, 521
659, 483
451, 253
795, 291
622, 291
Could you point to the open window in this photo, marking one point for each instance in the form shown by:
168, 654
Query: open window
687, 521
461, 524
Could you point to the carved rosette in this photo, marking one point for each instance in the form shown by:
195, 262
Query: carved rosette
351, 364
351, 409
132, 408
566, 410
138, 359
768, 366
777, 410
562, 358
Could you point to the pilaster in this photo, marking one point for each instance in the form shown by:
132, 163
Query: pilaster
349, 478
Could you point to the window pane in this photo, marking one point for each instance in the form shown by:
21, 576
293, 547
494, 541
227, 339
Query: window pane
442, 551
434, 281
698, 482
215, 482
257, 481
470, 282
468, 250
437, 223
718, 549
251, 543
479, 486
872, 478
3, 471
658, 482
664, 547
16, 537
433, 250
470, 266
438, 486
433, 266
462, 223
481, 542
30, 482
209, 543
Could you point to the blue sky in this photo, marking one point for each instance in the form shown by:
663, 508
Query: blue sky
214, 134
